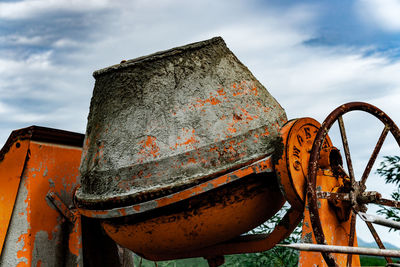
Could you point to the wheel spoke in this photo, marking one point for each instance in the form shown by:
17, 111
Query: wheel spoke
374, 155
351, 237
378, 240
346, 149
388, 202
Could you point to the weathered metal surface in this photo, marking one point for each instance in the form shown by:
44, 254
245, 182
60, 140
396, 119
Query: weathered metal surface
250, 243
344, 249
363, 198
379, 220
45, 229
388, 202
242, 244
346, 150
292, 165
11, 167
351, 237
197, 222
374, 155
38, 235
337, 231
69, 213
356, 191
259, 167
165, 122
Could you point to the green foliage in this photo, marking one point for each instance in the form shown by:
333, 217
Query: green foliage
196, 262
374, 261
277, 256
390, 170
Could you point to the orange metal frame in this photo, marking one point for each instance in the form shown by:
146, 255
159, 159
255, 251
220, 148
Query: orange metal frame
33, 162
292, 170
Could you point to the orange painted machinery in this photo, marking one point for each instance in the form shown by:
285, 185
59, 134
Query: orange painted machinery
184, 153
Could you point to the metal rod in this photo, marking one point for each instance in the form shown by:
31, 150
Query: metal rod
363, 198
388, 202
343, 249
346, 149
374, 155
379, 220
351, 237
378, 240
333, 196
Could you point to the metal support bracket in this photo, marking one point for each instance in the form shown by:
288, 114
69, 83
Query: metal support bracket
70, 214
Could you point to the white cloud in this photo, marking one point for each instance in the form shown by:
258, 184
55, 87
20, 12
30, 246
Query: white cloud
36, 62
65, 42
306, 80
32, 8
383, 13
5, 109
15, 39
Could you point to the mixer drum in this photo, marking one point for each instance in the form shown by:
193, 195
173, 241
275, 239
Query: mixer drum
168, 121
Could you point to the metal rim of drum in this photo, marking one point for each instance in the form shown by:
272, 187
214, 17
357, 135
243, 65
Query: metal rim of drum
262, 166
315, 154
244, 244
293, 183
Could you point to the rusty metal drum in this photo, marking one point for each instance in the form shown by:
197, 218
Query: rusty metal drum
181, 140
170, 120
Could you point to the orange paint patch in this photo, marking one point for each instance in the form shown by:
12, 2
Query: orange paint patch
149, 148
136, 208
211, 100
221, 91
266, 132
243, 88
192, 160
189, 139
232, 129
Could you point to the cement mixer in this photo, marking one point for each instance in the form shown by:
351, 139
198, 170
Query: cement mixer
185, 152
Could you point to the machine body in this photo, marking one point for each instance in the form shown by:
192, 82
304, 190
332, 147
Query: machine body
185, 152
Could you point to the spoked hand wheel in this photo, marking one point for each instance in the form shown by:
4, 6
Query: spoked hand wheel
350, 196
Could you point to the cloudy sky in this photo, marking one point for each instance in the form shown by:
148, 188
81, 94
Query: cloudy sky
311, 55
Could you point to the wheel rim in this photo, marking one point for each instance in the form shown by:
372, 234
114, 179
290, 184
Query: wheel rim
357, 188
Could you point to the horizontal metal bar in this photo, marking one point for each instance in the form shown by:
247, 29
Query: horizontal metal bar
389, 202
333, 196
379, 220
343, 249
363, 198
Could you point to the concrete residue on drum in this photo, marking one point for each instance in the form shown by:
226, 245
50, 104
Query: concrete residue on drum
171, 120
